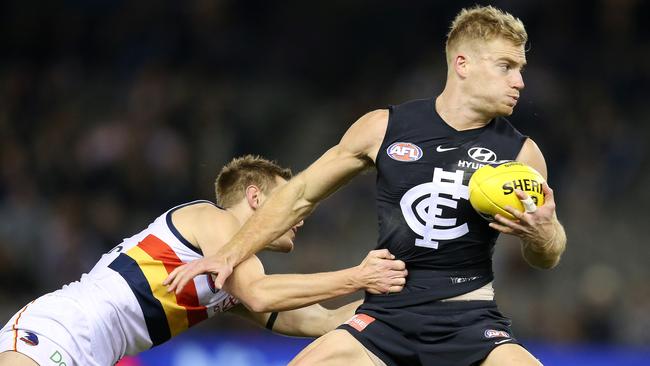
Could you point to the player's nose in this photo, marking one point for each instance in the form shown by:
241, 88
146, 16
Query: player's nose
518, 81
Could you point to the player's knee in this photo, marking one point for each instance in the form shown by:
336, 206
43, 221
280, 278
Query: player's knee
337, 347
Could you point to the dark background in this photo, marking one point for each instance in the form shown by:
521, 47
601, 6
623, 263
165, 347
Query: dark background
113, 111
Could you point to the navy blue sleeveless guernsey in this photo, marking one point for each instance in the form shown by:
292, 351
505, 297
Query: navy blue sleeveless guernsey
425, 218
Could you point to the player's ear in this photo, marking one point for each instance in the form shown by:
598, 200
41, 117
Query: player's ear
253, 196
460, 65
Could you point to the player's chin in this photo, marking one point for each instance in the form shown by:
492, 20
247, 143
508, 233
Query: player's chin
282, 246
506, 110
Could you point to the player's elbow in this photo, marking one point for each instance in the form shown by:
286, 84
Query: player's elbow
543, 263
259, 301
553, 258
258, 305
549, 264
303, 204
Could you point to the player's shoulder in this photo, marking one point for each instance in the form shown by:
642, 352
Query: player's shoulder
374, 117
532, 155
382, 114
206, 226
198, 208
372, 123
201, 215
504, 126
367, 132
426, 103
411, 113
208, 213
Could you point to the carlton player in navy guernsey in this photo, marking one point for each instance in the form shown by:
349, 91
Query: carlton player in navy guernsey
425, 152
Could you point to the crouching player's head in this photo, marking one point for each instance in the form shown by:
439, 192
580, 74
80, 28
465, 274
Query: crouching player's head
245, 183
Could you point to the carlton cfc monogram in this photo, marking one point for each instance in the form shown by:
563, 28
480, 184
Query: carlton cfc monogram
422, 206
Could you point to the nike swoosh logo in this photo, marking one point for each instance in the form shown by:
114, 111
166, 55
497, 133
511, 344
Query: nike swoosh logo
503, 341
443, 149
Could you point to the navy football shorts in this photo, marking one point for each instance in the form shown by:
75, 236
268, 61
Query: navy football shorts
448, 333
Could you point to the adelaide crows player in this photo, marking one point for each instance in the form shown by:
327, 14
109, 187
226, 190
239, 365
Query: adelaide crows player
122, 308
425, 151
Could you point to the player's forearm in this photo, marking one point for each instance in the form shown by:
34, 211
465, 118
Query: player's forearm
294, 201
310, 321
546, 254
281, 211
314, 320
342, 314
283, 292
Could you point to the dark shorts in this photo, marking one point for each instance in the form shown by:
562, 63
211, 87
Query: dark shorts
451, 333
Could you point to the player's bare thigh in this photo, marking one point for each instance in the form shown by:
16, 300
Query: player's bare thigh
336, 348
11, 358
510, 355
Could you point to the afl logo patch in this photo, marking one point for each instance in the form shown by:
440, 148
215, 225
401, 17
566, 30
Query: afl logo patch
492, 333
404, 151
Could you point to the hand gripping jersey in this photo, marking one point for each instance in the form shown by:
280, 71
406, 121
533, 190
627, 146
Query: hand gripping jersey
121, 307
425, 217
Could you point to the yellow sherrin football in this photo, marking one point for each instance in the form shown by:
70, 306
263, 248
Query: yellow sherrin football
491, 188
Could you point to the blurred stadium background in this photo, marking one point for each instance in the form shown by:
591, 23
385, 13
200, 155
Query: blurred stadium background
113, 111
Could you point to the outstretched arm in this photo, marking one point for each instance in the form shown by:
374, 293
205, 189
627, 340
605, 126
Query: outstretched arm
543, 237
294, 201
310, 321
378, 273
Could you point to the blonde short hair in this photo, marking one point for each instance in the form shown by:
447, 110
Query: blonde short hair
485, 23
244, 171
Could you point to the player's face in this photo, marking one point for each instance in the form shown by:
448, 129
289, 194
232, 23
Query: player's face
495, 78
285, 242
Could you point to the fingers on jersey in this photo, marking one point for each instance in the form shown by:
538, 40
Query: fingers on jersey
383, 258
170, 278
396, 265
382, 253
182, 275
393, 281
398, 286
177, 279
221, 276
380, 274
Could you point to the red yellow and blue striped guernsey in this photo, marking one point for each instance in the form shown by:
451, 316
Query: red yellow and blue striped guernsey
131, 276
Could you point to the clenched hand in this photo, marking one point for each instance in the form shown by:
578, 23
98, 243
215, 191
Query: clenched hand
381, 273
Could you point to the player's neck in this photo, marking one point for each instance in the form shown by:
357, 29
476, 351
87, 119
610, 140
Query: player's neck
458, 111
241, 211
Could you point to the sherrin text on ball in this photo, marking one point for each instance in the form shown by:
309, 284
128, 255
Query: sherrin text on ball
492, 188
